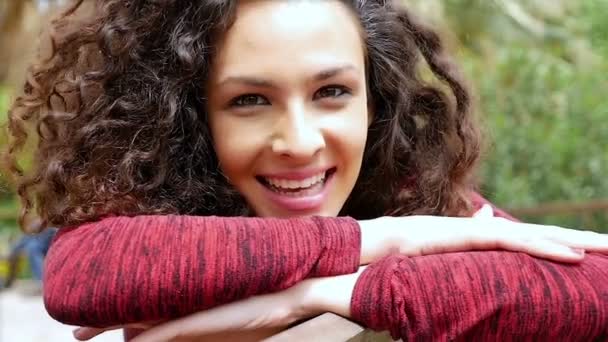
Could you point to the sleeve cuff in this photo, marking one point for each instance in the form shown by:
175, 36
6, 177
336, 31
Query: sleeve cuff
341, 247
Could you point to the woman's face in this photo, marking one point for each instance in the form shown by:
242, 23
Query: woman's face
287, 106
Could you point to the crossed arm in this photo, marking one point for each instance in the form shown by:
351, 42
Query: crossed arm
153, 268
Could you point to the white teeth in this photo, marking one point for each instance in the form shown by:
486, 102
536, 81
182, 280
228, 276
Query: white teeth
293, 184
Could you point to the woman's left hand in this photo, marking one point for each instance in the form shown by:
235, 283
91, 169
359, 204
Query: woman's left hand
265, 314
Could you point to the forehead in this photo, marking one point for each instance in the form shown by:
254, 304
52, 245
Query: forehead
298, 32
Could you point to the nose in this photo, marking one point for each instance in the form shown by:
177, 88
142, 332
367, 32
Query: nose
298, 135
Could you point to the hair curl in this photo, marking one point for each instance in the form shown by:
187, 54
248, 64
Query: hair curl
119, 114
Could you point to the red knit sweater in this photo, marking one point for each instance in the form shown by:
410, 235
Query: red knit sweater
124, 270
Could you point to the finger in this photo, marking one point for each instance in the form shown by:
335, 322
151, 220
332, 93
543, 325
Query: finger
577, 238
87, 333
546, 249
583, 239
485, 211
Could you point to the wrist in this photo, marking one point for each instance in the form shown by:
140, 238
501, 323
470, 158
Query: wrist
328, 294
381, 237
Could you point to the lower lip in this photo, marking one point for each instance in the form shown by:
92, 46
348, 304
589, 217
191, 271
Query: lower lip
299, 204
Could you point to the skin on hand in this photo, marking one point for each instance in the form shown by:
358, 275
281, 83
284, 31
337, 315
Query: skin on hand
254, 318
261, 316
424, 235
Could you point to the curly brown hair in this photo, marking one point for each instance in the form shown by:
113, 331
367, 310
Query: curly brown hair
118, 109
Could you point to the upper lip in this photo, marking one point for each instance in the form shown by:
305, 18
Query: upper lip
299, 174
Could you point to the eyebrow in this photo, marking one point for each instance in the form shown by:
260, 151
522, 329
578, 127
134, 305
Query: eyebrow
331, 72
265, 83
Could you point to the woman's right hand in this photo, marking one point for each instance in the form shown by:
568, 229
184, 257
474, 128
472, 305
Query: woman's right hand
424, 235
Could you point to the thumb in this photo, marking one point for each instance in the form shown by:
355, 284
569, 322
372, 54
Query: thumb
484, 212
87, 333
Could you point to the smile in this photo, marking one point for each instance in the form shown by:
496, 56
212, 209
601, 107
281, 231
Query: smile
298, 193
291, 186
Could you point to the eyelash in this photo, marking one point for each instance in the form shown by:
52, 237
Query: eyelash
235, 101
342, 89
238, 101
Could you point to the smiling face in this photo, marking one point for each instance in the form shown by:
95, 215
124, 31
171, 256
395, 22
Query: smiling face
287, 106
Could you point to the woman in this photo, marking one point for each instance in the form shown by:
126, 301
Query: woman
185, 110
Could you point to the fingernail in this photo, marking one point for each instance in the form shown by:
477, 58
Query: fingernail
578, 251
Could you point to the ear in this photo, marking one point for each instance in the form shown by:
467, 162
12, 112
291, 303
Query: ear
370, 114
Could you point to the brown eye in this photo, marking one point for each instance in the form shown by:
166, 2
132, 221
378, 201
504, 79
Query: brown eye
249, 100
331, 92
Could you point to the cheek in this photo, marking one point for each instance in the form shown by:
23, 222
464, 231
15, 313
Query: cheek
235, 147
355, 132
346, 140
353, 143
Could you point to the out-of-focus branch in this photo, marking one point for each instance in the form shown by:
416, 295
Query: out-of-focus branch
563, 208
522, 18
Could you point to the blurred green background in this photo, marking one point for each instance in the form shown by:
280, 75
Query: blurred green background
540, 72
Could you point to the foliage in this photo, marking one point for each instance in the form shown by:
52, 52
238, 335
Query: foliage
540, 71
8, 203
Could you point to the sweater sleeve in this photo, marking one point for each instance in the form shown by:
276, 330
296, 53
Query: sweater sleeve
484, 296
147, 268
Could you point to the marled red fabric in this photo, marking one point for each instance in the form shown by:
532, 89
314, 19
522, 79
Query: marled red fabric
123, 270
484, 296
148, 268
